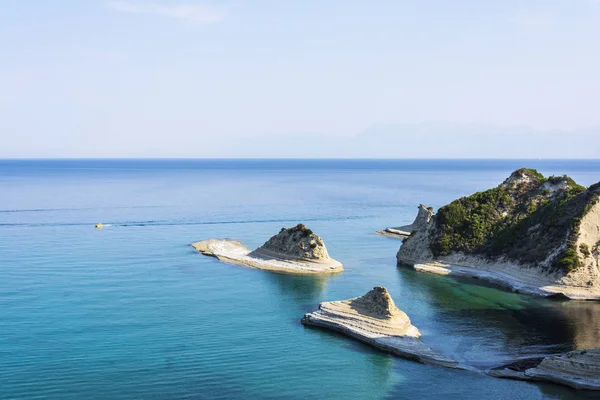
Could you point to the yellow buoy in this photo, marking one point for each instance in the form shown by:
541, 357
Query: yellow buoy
98, 226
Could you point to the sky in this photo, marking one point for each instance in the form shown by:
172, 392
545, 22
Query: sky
258, 78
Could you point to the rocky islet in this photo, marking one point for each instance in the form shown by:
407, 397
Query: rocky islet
485, 236
374, 319
295, 250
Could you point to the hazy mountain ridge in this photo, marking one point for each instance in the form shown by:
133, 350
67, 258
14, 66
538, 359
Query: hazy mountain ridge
428, 140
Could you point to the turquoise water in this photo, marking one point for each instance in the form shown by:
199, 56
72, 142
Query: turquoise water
131, 312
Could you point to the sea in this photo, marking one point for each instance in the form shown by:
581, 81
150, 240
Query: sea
130, 311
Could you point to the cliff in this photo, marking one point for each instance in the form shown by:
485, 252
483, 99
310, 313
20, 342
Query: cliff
295, 250
536, 234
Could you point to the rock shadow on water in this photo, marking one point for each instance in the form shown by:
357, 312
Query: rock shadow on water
525, 326
458, 385
304, 289
553, 391
340, 339
583, 318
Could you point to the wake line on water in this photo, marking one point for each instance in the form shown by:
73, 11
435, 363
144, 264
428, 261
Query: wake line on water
168, 223
33, 210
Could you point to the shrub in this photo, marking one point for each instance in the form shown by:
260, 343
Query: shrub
585, 249
594, 187
555, 179
301, 228
520, 223
532, 172
569, 260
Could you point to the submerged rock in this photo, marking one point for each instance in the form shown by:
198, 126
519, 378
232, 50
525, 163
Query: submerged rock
579, 369
374, 319
533, 234
295, 250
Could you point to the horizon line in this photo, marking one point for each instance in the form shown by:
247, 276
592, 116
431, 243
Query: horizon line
291, 159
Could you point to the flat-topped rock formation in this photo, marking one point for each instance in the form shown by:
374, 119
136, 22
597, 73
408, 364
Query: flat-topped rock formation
579, 369
402, 232
532, 234
374, 319
397, 233
295, 250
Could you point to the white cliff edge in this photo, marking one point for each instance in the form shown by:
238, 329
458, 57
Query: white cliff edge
374, 319
296, 250
579, 369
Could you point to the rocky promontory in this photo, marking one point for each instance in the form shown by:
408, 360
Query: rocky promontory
402, 232
531, 233
295, 250
374, 319
579, 369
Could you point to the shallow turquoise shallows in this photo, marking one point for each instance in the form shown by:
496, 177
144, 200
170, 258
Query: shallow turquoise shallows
131, 312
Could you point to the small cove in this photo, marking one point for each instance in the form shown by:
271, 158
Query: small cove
131, 311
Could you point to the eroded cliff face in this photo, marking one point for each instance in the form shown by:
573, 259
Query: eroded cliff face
587, 248
416, 248
297, 242
549, 224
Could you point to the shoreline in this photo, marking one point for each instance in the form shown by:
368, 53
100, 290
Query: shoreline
519, 279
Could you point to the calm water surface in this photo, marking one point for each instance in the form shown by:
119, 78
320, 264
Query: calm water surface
131, 312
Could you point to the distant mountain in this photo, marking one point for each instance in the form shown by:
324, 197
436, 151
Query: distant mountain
427, 140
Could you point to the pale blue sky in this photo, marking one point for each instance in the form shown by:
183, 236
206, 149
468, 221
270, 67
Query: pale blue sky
193, 78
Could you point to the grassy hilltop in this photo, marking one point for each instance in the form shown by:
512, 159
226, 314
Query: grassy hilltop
524, 219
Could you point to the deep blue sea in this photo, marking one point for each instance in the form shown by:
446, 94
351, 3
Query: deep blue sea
131, 312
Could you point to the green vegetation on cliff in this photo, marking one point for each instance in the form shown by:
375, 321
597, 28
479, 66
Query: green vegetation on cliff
298, 228
525, 219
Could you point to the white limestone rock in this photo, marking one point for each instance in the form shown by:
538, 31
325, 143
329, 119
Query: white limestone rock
374, 319
579, 369
423, 216
296, 250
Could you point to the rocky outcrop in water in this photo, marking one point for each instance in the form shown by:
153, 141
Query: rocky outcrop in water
533, 234
423, 216
579, 369
297, 242
374, 319
295, 250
